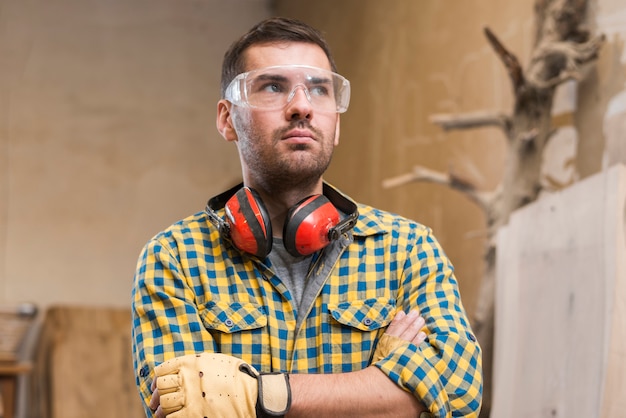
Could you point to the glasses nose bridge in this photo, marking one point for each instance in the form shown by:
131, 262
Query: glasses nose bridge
305, 90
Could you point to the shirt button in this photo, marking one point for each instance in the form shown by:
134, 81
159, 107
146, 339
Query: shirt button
145, 371
367, 321
229, 323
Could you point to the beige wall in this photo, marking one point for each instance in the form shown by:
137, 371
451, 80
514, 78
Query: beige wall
107, 135
107, 123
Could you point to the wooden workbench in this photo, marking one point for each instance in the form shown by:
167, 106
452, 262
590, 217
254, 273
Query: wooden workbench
15, 324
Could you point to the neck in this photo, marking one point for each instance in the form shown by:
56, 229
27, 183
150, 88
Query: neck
278, 201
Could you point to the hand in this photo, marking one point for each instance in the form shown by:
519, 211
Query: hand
404, 328
217, 385
155, 400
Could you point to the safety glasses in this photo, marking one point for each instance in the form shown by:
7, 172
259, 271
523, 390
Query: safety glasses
271, 88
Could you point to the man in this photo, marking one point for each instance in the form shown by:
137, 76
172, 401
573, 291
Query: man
284, 297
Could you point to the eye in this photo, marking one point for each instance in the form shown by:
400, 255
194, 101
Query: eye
270, 87
319, 90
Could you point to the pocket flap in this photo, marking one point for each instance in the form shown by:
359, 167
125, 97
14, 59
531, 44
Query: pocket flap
366, 315
231, 317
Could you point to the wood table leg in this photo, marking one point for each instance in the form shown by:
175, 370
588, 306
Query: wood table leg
7, 391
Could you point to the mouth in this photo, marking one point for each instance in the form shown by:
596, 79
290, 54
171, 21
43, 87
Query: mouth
299, 135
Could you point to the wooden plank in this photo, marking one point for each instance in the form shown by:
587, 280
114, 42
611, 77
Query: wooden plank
614, 385
506, 336
84, 366
559, 336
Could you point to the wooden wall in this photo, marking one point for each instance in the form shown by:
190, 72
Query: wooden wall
561, 303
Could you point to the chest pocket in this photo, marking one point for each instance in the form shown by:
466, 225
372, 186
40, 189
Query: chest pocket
364, 315
230, 317
354, 329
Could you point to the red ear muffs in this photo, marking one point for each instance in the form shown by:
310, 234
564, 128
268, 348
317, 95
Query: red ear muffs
249, 223
308, 224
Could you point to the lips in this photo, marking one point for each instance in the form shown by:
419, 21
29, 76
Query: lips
302, 134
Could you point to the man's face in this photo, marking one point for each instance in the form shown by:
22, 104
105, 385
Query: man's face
290, 146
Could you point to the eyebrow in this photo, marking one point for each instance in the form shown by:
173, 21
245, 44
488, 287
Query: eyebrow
272, 77
320, 80
282, 78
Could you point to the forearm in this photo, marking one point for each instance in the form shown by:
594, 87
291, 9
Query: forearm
365, 393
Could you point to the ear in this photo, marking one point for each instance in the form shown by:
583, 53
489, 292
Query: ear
224, 121
337, 131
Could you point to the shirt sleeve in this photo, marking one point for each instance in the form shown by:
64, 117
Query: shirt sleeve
166, 322
445, 371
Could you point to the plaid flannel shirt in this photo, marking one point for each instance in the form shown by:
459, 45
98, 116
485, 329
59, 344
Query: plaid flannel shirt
194, 292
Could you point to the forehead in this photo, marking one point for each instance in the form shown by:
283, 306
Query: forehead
292, 53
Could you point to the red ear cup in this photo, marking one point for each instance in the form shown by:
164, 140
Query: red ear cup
308, 224
249, 222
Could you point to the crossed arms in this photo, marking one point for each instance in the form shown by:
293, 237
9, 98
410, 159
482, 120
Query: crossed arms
365, 393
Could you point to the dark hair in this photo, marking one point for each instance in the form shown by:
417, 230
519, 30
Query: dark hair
275, 29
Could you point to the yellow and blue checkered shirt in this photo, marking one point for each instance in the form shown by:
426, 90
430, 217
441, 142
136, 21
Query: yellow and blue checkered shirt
195, 292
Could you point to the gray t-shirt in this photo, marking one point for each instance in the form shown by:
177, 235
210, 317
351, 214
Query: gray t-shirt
292, 270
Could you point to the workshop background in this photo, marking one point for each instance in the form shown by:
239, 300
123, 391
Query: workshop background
107, 136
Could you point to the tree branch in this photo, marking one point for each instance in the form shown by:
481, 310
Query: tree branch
471, 120
454, 181
509, 60
554, 63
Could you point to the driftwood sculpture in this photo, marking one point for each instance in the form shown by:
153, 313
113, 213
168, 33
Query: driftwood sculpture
562, 46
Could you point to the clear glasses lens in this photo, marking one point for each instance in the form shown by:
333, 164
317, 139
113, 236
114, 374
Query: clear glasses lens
274, 87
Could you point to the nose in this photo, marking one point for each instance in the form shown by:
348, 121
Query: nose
299, 103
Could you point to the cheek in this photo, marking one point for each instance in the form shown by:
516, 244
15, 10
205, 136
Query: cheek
240, 119
249, 122
244, 125
330, 127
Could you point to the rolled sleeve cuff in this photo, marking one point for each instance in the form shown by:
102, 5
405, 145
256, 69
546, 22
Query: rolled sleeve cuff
408, 368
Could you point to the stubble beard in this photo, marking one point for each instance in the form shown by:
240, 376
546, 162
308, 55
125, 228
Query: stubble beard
298, 168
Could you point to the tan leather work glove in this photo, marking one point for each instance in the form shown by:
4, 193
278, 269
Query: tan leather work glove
220, 386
